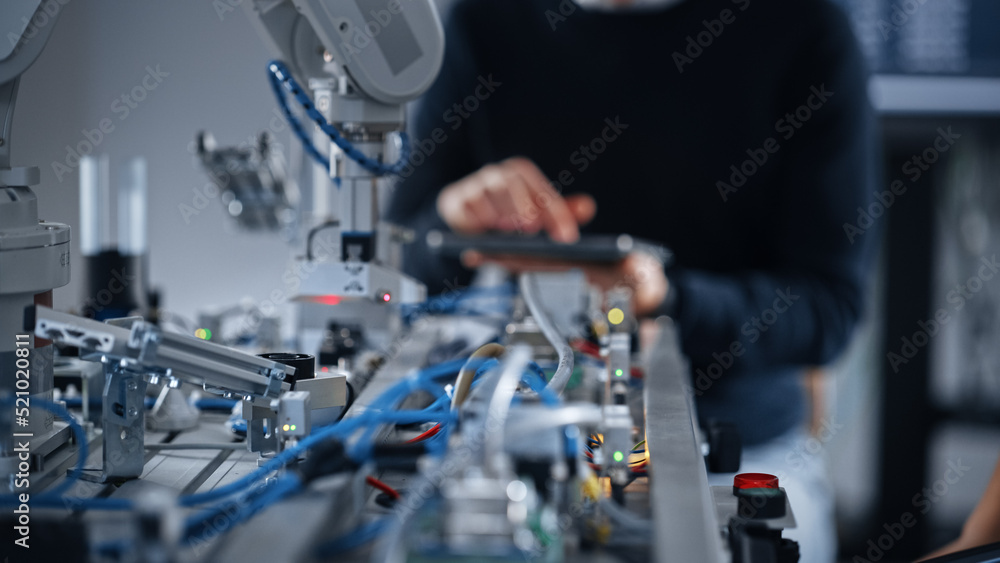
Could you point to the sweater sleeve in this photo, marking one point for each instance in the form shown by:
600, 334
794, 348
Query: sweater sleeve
802, 307
441, 153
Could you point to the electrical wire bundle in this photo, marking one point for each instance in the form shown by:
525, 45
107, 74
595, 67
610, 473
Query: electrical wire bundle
637, 460
240, 500
282, 80
349, 444
470, 301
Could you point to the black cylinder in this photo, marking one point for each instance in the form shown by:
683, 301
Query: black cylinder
304, 364
114, 285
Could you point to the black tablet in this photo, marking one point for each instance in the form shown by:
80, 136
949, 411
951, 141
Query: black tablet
590, 248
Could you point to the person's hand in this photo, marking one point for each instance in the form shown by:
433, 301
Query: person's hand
965, 541
639, 272
513, 195
981, 528
983, 525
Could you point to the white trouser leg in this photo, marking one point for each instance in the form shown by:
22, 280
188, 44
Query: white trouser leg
797, 460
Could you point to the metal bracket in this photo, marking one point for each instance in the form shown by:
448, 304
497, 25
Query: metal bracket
264, 442
124, 425
274, 380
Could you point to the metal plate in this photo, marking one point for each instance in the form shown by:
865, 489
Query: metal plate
685, 527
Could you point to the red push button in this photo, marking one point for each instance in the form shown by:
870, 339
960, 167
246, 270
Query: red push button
755, 481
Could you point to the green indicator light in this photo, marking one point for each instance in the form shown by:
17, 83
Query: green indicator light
619, 456
293, 427
619, 372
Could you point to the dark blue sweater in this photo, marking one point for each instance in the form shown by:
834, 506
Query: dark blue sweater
736, 132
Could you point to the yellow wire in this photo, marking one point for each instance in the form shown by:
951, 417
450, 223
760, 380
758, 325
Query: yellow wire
464, 380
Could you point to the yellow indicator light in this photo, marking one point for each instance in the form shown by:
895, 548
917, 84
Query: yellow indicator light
616, 316
203, 333
619, 456
286, 428
619, 372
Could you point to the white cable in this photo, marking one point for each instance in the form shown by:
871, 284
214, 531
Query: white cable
532, 419
499, 406
565, 368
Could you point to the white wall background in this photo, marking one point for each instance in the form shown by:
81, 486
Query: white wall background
217, 81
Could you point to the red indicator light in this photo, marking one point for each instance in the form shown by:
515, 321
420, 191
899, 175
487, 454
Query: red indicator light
386, 297
755, 481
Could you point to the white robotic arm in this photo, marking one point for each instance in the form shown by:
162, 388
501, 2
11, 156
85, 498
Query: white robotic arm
391, 50
31, 23
362, 60
34, 255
